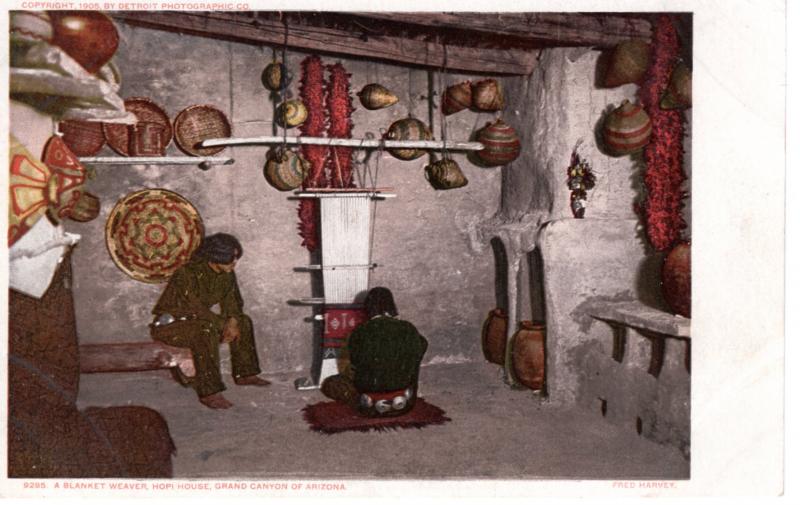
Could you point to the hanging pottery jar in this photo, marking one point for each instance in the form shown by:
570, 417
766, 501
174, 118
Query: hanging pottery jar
501, 144
285, 170
445, 174
89, 37
627, 129
291, 113
487, 95
527, 354
493, 336
457, 98
374, 97
274, 76
409, 128
628, 63
679, 91
676, 279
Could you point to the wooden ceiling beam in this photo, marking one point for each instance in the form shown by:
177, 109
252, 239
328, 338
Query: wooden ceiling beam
259, 30
557, 29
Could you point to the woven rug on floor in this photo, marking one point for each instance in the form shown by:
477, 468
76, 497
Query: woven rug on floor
335, 417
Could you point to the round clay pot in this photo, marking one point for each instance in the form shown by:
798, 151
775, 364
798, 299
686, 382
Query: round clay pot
676, 279
527, 354
89, 37
493, 336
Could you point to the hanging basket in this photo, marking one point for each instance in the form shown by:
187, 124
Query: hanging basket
84, 138
679, 91
445, 174
628, 63
409, 128
457, 98
291, 113
197, 123
374, 96
627, 129
274, 76
487, 95
501, 144
285, 170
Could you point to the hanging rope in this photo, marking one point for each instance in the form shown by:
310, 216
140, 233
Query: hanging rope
442, 121
374, 202
284, 78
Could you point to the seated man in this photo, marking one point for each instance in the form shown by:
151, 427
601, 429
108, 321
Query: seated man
385, 354
184, 317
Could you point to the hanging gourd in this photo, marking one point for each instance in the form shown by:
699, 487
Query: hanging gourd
374, 97
285, 169
628, 63
500, 144
679, 91
487, 95
445, 174
274, 76
409, 128
291, 113
627, 129
457, 98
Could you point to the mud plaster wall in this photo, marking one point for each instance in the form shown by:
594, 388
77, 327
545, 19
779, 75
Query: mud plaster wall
604, 255
420, 239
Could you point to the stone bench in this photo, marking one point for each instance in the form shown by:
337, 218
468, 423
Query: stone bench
640, 375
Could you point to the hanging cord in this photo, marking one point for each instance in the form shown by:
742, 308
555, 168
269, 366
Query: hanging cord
374, 200
272, 96
284, 79
442, 121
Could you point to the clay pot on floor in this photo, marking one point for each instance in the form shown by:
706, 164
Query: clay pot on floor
676, 279
527, 355
493, 336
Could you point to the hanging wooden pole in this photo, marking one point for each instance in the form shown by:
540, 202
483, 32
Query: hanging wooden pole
362, 143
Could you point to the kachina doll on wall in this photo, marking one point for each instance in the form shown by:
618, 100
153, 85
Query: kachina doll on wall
580, 179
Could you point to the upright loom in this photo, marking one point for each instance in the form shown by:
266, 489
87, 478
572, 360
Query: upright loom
346, 239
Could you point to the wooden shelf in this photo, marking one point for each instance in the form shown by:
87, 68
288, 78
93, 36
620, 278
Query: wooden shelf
156, 160
635, 314
356, 143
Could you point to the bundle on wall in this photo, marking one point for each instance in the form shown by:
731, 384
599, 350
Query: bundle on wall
340, 125
663, 156
312, 93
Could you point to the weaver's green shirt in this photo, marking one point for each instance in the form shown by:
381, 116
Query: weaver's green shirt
385, 354
194, 288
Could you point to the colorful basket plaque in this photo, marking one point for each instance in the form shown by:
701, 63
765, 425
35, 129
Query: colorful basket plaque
151, 233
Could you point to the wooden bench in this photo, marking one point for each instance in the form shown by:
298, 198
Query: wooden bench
135, 357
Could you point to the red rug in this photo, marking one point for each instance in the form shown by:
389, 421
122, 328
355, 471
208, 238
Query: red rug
334, 417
